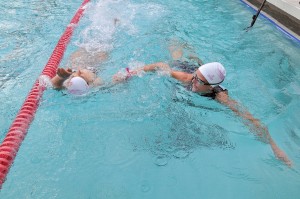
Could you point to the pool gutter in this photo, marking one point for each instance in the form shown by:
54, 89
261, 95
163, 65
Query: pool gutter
283, 14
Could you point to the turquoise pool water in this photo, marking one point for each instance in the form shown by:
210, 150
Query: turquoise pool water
149, 137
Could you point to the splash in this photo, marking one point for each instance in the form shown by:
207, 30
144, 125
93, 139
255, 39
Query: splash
105, 18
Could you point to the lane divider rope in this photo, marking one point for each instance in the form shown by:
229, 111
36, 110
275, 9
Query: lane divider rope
19, 127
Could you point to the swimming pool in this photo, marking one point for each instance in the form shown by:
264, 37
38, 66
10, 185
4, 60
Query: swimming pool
149, 137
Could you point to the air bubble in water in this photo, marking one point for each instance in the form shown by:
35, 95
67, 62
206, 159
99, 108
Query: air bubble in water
161, 160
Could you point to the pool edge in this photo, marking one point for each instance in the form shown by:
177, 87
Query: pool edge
279, 25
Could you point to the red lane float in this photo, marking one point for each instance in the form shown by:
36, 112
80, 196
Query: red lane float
19, 127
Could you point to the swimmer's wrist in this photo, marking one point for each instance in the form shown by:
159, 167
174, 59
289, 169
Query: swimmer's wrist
59, 77
129, 73
62, 77
97, 82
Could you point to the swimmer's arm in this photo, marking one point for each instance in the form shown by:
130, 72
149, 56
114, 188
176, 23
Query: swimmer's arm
57, 82
181, 76
156, 66
119, 77
61, 75
254, 124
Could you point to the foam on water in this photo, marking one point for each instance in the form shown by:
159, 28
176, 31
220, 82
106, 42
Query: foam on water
109, 16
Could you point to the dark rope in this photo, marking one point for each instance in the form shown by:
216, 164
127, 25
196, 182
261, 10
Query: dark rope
254, 17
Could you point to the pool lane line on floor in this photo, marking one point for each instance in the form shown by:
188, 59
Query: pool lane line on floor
20, 125
278, 25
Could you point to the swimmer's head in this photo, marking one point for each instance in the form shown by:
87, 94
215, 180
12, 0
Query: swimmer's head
77, 86
213, 72
88, 75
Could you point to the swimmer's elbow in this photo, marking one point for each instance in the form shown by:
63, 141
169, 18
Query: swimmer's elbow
97, 82
181, 76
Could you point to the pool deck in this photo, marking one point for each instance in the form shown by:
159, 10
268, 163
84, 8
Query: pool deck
284, 13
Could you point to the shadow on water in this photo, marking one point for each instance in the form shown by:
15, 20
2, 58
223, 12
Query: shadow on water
177, 128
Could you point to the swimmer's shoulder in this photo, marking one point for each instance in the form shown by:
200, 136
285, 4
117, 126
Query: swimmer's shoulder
97, 82
221, 93
219, 88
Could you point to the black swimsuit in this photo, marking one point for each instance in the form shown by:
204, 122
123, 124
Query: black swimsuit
185, 66
217, 89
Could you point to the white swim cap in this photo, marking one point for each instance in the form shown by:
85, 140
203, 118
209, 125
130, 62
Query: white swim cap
77, 86
213, 72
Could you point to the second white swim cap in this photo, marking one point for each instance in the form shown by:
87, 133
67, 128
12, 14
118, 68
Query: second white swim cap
213, 72
77, 86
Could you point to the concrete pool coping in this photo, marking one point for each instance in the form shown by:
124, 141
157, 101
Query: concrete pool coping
284, 13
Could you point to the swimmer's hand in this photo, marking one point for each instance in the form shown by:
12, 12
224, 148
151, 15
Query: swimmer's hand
63, 73
264, 134
283, 157
280, 154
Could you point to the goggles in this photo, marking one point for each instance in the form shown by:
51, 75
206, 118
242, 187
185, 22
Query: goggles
200, 81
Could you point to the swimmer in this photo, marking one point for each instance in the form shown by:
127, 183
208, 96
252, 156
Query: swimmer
82, 66
87, 59
76, 82
80, 76
206, 80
